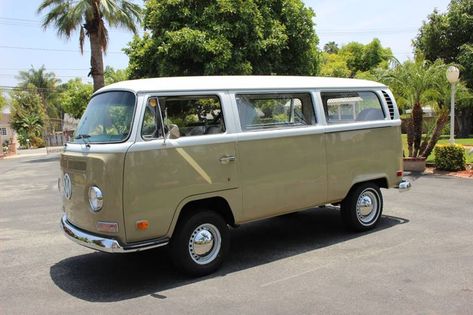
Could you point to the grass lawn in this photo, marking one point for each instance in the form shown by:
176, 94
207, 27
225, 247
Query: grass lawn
444, 140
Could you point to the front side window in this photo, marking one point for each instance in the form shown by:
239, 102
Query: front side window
184, 116
346, 107
107, 118
269, 111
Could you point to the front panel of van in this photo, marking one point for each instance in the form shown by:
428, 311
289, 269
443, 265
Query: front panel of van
102, 170
93, 162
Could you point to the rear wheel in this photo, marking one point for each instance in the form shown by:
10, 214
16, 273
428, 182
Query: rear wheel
361, 209
200, 243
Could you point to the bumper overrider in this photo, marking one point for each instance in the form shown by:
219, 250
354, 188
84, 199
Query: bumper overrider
104, 244
404, 185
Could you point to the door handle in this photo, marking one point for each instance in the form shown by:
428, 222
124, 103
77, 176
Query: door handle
227, 159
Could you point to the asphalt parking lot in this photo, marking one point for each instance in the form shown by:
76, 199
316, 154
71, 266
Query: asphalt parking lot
418, 261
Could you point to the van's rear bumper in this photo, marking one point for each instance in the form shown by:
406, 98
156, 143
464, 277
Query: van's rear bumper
104, 244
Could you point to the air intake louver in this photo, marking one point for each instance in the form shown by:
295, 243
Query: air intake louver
390, 104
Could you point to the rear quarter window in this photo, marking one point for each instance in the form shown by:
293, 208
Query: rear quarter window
348, 107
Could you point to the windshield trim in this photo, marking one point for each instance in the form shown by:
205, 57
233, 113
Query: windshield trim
131, 123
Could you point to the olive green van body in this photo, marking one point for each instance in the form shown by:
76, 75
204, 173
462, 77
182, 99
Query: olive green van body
270, 173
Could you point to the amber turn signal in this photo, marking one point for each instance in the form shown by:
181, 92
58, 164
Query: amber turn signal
142, 225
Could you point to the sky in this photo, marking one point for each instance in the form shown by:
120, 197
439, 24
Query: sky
23, 42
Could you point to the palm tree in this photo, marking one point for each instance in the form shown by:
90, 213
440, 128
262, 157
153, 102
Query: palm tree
45, 84
89, 17
418, 83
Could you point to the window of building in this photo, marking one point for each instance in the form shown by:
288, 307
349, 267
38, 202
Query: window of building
3, 131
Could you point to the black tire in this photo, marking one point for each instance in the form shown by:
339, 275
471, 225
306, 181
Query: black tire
354, 215
185, 252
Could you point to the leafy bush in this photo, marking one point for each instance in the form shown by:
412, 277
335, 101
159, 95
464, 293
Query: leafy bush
37, 142
450, 157
22, 137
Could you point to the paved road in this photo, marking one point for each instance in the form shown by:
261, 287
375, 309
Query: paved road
420, 259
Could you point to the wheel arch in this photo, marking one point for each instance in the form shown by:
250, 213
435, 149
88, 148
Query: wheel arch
380, 180
215, 202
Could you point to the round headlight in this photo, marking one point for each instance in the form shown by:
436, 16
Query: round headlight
95, 198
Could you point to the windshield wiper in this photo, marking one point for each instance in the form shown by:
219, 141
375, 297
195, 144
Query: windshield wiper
85, 138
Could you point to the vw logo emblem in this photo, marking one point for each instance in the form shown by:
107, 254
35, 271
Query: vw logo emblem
67, 186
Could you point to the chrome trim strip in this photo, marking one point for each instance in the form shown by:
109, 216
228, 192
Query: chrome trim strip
103, 244
404, 185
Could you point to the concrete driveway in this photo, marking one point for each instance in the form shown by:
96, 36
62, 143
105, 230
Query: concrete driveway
419, 260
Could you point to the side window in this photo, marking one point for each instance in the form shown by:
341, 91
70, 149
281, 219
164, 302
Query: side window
183, 116
267, 111
343, 107
149, 127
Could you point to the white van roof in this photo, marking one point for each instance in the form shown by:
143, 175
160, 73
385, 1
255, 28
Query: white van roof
205, 83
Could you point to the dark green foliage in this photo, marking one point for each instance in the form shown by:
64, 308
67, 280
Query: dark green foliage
202, 37
331, 48
28, 113
450, 157
114, 75
75, 96
449, 36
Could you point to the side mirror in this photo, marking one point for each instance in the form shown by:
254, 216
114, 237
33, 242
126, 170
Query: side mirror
173, 132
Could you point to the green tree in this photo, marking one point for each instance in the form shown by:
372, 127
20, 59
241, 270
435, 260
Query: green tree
354, 58
45, 84
75, 96
203, 37
334, 65
465, 101
3, 102
433, 41
89, 16
449, 36
112, 75
28, 114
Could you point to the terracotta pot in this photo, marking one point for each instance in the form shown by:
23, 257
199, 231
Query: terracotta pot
414, 164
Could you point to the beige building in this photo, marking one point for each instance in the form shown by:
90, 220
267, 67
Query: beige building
6, 132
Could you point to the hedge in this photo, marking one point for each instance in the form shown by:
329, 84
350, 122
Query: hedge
450, 157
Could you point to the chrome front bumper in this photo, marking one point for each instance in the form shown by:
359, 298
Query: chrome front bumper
103, 244
404, 185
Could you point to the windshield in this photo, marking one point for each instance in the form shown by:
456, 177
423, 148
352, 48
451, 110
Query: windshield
107, 118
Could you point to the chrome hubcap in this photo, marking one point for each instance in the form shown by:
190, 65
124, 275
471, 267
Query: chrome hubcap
367, 206
204, 244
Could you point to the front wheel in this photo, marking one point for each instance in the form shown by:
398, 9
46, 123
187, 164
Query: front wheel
200, 243
362, 207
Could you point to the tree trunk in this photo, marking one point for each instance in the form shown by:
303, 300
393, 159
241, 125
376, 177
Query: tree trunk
465, 122
440, 123
96, 61
417, 119
410, 137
